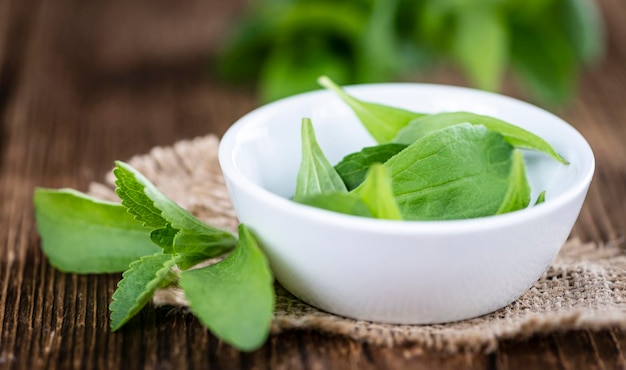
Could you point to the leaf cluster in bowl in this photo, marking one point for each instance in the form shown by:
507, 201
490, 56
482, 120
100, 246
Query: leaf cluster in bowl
444, 166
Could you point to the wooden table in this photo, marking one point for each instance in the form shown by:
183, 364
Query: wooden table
83, 83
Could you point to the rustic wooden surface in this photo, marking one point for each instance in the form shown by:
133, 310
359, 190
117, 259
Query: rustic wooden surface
83, 83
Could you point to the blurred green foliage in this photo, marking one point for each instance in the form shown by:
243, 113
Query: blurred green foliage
284, 45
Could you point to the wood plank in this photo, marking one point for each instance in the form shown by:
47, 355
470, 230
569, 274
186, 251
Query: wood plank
17, 19
538, 352
606, 349
576, 348
411, 357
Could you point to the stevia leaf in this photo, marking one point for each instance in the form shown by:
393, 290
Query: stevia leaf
144, 200
527, 11
286, 72
541, 198
515, 135
482, 61
134, 198
518, 195
583, 26
377, 193
195, 248
346, 203
353, 167
81, 234
235, 297
433, 22
316, 175
311, 38
457, 172
138, 285
545, 61
378, 54
164, 238
383, 122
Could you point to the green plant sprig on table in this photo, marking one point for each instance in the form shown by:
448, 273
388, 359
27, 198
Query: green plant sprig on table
157, 243
544, 43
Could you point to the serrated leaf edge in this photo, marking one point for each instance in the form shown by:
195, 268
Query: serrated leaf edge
124, 191
173, 214
159, 280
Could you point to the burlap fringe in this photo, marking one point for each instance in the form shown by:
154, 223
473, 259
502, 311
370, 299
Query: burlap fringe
584, 287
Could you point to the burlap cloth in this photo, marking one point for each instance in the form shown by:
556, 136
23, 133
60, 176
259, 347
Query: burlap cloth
585, 287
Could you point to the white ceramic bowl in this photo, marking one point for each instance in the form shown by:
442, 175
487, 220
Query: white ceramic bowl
412, 272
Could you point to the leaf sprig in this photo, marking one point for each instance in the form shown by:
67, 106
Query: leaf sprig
234, 297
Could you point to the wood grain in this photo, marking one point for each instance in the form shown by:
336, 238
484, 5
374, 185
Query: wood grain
85, 83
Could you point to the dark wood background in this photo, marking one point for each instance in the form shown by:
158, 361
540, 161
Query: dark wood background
83, 83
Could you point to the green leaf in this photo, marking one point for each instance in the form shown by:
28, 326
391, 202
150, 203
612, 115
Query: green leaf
383, 122
378, 55
146, 202
518, 195
433, 23
457, 172
164, 238
81, 234
515, 135
480, 46
316, 175
286, 72
541, 198
528, 11
134, 198
339, 19
346, 203
544, 61
377, 193
584, 28
195, 248
311, 38
138, 285
353, 167
235, 297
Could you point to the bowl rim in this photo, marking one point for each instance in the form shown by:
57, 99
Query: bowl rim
228, 143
